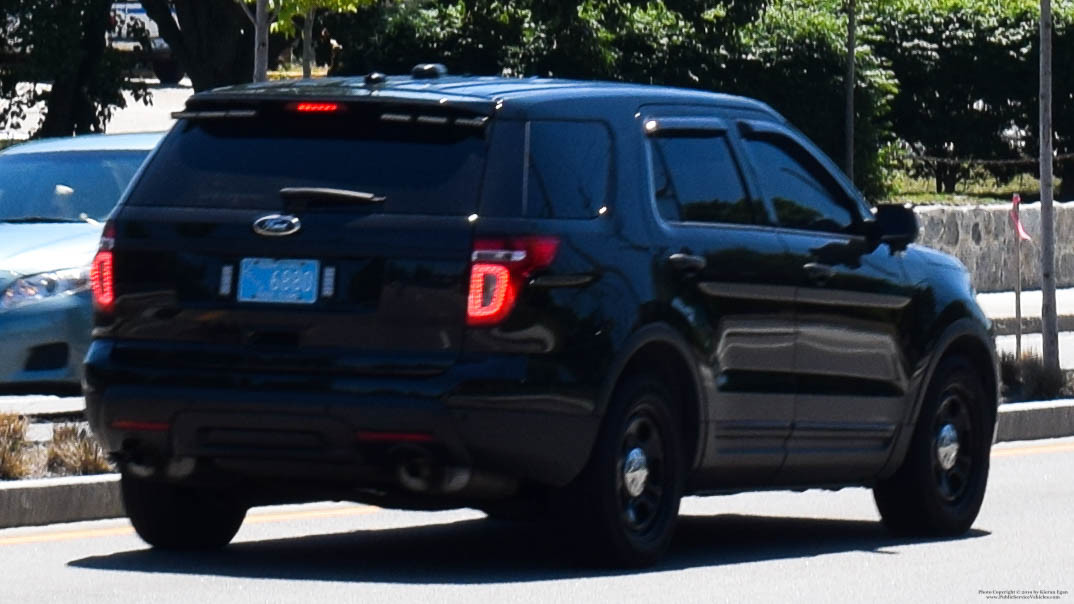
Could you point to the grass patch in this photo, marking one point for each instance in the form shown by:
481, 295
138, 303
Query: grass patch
294, 71
1028, 379
74, 452
981, 189
15, 459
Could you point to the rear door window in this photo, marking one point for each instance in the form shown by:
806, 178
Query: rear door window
696, 179
568, 169
418, 168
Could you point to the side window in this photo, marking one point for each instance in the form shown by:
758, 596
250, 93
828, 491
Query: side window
801, 192
696, 179
568, 171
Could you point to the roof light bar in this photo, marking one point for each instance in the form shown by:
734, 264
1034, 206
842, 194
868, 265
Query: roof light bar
433, 120
213, 114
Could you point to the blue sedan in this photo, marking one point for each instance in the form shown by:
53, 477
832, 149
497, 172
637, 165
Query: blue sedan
54, 198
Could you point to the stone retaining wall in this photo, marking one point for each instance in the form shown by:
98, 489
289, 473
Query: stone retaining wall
982, 237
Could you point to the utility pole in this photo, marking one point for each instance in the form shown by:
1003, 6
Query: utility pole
1049, 323
852, 42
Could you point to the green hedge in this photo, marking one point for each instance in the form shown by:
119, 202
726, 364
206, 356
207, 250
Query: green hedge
937, 78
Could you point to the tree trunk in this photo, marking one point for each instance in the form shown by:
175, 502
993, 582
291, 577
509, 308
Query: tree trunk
261, 41
307, 44
69, 107
950, 180
212, 39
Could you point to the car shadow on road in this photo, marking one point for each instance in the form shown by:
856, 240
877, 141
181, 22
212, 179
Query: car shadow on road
490, 551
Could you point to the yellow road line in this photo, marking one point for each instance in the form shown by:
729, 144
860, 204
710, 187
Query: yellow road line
67, 535
255, 518
270, 517
1033, 450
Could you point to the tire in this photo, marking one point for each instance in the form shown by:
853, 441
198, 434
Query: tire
939, 488
174, 517
627, 517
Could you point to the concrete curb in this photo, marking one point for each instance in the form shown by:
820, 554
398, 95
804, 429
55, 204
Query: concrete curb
1007, 326
55, 500
1032, 421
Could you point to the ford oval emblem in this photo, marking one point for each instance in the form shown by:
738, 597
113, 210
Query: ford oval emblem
277, 225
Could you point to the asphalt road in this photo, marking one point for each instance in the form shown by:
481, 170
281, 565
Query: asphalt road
135, 117
759, 547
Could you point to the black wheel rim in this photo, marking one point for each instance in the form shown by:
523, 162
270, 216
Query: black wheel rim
953, 476
642, 511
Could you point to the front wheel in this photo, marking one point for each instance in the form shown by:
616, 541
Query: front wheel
939, 488
629, 493
169, 516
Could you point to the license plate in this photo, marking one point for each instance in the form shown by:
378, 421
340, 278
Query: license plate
278, 281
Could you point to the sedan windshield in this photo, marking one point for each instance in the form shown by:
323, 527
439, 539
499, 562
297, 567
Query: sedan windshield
65, 186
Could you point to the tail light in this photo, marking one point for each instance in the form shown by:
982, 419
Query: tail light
102, 271
498, 271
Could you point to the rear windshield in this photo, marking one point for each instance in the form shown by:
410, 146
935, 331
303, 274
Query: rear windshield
245, 162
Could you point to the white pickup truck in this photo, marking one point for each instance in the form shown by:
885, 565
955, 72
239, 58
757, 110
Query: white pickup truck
164, 64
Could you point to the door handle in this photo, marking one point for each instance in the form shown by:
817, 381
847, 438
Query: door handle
819, 272
687, 262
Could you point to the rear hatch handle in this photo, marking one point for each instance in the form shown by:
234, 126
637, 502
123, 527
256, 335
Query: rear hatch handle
303, 196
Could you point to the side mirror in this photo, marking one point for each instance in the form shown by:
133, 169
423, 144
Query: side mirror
896, 225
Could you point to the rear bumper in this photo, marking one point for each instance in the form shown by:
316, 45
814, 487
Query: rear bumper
351, 433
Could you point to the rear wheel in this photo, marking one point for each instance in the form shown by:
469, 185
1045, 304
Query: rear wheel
176, 517
629, 493
941, 484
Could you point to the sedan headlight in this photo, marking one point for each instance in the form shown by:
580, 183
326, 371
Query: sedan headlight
35, 288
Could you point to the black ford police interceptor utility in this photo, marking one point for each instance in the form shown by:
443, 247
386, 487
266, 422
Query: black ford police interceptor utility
433, 291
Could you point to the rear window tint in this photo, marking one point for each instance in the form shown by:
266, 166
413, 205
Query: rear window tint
568, 170
245, 162
696, 179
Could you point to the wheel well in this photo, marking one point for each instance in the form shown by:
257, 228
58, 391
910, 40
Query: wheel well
667, 362
978, 355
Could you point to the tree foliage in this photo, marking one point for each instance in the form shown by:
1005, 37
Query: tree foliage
794, 59
56, 53
290, 12
961, 67
785, 53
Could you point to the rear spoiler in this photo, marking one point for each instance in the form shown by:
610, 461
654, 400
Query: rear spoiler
227, 104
